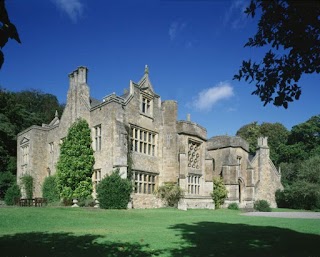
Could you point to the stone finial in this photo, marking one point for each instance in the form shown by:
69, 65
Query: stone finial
188, 117
56, 114
146, 69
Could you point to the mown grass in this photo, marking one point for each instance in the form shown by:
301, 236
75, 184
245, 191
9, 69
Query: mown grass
156, 232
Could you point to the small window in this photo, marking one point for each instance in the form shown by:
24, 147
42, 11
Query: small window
146, 105
97, 137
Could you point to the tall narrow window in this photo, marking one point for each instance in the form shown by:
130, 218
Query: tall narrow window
146, 105
24, 158
97, 137
51, 153
96, 178
143, 141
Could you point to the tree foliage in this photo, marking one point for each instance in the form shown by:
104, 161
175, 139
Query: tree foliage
303, 141
12, 193
18, 111
219, 193
113, 192
7, 30
7, 179
75, 164
292, 30
277, 136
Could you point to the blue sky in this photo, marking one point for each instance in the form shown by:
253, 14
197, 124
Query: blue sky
192, 48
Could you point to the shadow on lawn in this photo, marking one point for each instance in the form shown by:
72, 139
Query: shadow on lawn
67, 245
235, 240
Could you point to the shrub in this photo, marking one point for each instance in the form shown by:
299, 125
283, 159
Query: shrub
299, 195
27, 182
262, 205
12, 194
219, 193
50, 189
89, 202
171, 193
113, 192
233, 206
7, 179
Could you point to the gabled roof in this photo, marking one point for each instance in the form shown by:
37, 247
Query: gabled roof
145, 83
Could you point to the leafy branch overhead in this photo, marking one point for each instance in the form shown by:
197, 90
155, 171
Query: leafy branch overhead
7, 30
292, 30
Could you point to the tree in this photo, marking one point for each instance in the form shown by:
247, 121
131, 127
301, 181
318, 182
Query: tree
18, 111
277, 136
303, 190
292, 30
7, 30
303, 141
75, 164
250, 133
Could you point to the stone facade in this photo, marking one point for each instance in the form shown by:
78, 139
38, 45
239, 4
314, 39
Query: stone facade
138, 124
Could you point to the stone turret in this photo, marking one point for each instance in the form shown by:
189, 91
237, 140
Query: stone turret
267, 177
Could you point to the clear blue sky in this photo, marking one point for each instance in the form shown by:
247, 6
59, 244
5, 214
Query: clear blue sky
192, 48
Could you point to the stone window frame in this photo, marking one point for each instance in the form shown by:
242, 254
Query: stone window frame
194, 154
25, 154
96, 178
97, 137
51, 153
143, 141
51, 147
193, 181
146, 104
144, 182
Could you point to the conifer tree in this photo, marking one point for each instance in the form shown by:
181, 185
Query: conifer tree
75, 163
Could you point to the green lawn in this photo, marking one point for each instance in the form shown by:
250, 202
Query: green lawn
74, 232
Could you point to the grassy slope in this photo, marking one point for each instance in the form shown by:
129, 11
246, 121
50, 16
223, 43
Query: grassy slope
166, 232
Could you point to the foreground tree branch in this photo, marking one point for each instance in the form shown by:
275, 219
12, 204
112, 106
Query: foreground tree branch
292, 30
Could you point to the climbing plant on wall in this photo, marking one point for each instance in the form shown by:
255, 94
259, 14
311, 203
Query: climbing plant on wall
27, 183
75, 164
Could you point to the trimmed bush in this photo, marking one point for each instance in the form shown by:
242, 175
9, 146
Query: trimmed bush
50, 189
233, 206
113, 192
170, 193
262, 205
27, 182
219, 193
12, 194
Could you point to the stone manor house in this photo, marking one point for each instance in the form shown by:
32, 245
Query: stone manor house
163, 149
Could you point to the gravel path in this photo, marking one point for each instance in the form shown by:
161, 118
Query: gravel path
295, 215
